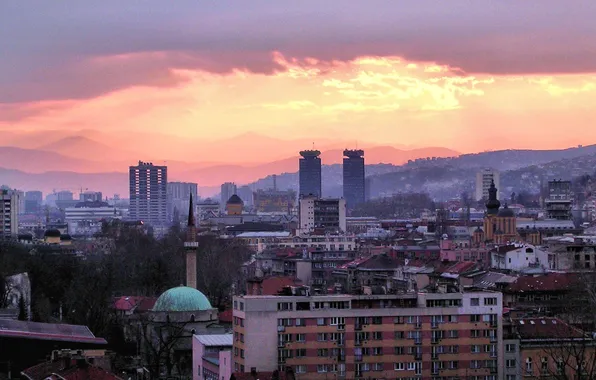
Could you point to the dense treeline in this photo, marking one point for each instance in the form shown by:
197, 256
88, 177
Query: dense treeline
80, 290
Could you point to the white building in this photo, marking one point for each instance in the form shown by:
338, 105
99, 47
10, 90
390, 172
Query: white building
87, 218
517, 257
179, 197
212, 356
9, 212
483, 181
326, 214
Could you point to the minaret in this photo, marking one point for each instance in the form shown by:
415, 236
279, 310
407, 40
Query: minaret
191, 246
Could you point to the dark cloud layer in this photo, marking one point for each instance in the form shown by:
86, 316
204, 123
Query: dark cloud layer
49, 50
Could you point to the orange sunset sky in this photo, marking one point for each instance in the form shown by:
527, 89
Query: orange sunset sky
467, 75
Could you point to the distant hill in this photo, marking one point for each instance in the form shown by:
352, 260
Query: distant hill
39, 161
108, 183
83, 147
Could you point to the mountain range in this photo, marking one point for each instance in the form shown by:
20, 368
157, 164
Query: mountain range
96, 160
212, 163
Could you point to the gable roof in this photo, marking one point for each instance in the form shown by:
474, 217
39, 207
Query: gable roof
545, 328
59, 369
545, 283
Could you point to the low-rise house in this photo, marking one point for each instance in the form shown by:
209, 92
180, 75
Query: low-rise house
516, 257
212, 356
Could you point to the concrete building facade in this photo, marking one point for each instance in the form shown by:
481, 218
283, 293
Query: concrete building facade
327, 215
148, 193
9, 213
178, 197
227, 190
410, 335
483, 183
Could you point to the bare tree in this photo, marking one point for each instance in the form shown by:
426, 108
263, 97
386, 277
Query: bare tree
159, 340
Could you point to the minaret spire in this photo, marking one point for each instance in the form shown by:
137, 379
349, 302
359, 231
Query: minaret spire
191, 246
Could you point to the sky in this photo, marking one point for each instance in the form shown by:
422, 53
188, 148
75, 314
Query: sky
468, 75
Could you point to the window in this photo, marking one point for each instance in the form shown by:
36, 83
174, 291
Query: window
321, 368
377, 335
400, 335
241, 306
321, 337
510, 363
377, 320
475, 333
490, 301
398, 366
322, 352
475, 364
242, 354
510, 377
529, 365
377, 367
300, 322
300, 369
544, 364
301, 338
377, 351
321, 322
334, 321
301, 353
474, 301
453, 334
475, 318
475, 349
510, 348
398, 350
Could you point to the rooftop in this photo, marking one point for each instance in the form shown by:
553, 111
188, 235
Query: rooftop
215, 340
545, 328
60, 369
545, 283
48, 331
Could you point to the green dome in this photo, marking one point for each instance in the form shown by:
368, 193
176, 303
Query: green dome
182, 298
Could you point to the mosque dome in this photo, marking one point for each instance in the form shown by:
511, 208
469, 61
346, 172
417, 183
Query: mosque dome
234, 200
506, 212
53, 233
182, 298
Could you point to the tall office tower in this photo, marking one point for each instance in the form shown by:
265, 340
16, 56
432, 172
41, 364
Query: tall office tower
33, 201
354, 185
484, 178
178, 197
148, 193
227, 190
310, 173
9, 213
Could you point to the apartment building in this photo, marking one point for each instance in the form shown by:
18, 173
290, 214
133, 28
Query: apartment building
411, 335
9, 213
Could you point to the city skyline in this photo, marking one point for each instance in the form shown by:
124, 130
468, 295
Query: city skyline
465, 76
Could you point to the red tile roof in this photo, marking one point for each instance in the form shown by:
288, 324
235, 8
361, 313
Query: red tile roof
70, 372
545, 328
545, 283
146, 304
226, 316
126, 303
271, 286
260, 376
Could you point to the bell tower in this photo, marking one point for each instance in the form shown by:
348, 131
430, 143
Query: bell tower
191, 246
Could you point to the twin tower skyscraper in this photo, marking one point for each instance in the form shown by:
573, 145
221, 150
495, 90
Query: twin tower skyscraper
310, 178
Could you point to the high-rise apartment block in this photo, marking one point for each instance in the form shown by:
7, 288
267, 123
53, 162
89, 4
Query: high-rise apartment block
324, 215
484, 178
353, 178
310, 173
227, 190
178, 197
559, 200
414, 335
148, 193
33, 201
9, 213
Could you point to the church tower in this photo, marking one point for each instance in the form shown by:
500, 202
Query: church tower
492, 210
191, 246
